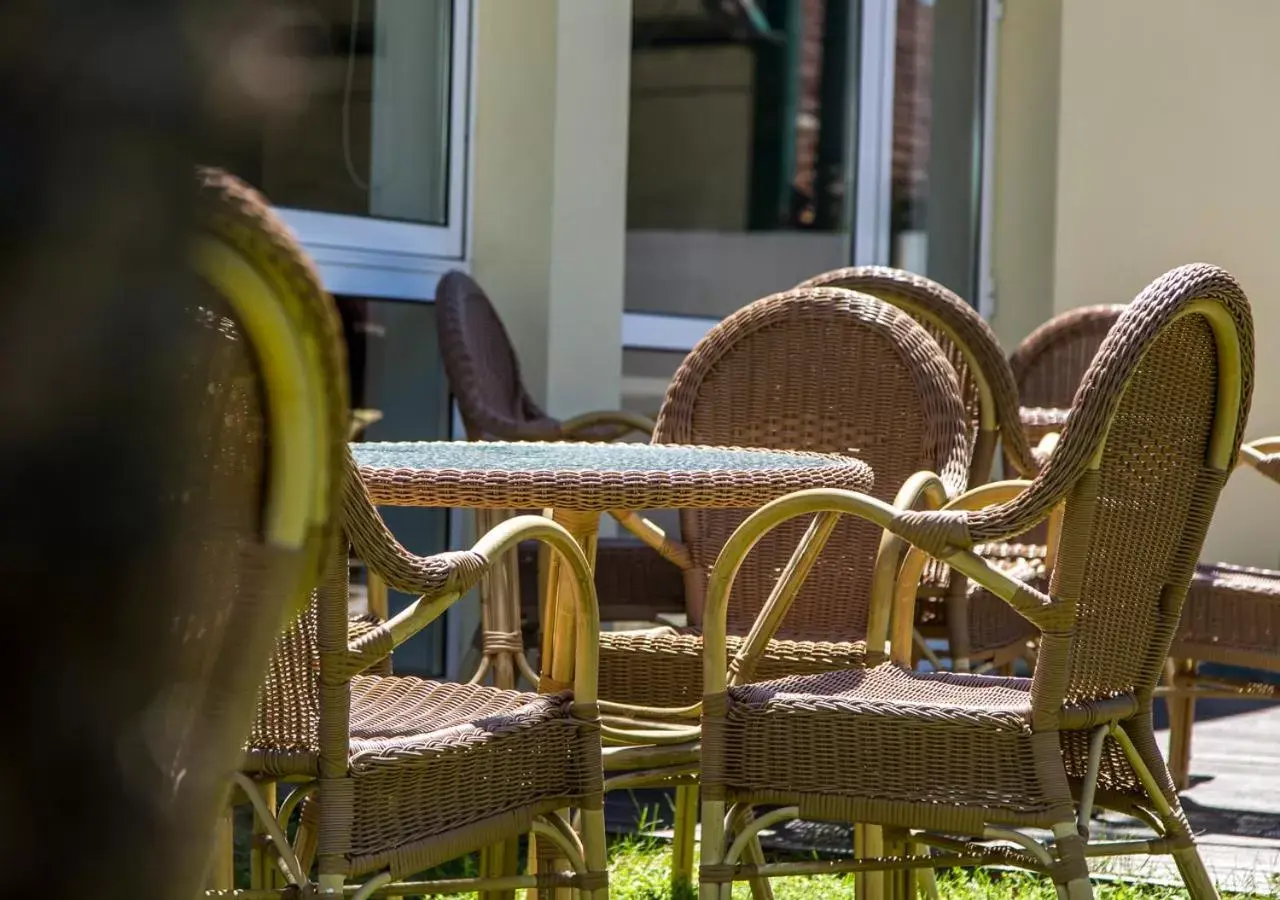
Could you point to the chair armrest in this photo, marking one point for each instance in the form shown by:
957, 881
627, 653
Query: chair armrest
1262, 455
941, 534
379, 641
606, 425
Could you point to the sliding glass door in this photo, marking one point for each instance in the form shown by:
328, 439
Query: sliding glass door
777, 139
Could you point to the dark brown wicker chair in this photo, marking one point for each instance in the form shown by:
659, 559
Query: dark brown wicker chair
484, 378
968, 759
397, 774
262, 486
977, 627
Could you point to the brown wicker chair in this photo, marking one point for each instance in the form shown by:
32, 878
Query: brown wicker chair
1232, 618
978, 628
1049, 363
399, 773
819, 369
262, 484
484, 377
968, 759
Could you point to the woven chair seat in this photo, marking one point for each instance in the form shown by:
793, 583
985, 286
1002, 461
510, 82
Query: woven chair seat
1231, 617
891, 745
435, 765
663, 666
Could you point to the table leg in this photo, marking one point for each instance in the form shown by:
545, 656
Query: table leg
559, 627
559, 636
500, 639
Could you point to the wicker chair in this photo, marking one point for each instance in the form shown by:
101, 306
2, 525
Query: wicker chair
958, 761
1231, 618
399, 773
261, 485
978, 628
1049, 363
820, 369
484, 377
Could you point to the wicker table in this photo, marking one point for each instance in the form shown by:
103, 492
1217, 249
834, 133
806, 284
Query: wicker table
581, 481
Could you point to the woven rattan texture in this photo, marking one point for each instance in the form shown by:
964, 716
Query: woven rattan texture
1232, 617
819, 368
481, 366
827, 370
1049, 363
663, 666
430, 758
585, 476
239, 217
411, 773
970, 345
907, 746
1132, 531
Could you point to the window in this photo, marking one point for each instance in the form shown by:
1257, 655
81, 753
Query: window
371, 171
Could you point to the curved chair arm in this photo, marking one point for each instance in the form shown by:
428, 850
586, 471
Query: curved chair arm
923, 490
830, 504
1263, 455
379, 641
613, 424
905, 588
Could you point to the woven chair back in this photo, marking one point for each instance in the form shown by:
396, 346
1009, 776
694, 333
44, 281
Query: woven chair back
972, 348
826, 370
1147, 446
481, 366
1049, 363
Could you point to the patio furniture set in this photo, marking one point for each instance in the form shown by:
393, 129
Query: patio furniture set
855, 591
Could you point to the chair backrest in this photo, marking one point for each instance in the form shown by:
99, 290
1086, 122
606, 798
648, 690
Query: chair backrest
286, 329
268, 376
827, 370
1049, 363
481, 366
972, 348
1147, 446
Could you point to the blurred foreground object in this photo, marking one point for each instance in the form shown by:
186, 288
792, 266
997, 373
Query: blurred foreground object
142, 484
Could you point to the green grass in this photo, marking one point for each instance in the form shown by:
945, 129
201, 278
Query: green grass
640, 870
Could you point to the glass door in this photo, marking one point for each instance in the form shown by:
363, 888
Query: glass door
775, 139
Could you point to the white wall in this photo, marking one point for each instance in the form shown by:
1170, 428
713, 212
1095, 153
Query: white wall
1167, 140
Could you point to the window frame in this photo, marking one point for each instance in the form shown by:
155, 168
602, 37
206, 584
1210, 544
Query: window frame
391, 259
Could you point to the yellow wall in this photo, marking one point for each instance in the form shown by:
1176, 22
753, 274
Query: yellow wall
1167, 153
549, 189
1026, 160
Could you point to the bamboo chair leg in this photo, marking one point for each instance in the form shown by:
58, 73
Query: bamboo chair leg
686, 824
595, 850
222, 874
713, 848
499, 861
1182, 713
262, 867
760, 887
1194, 875
869, 844
1070, 849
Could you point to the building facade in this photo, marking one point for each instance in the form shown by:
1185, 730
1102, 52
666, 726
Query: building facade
620, 174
